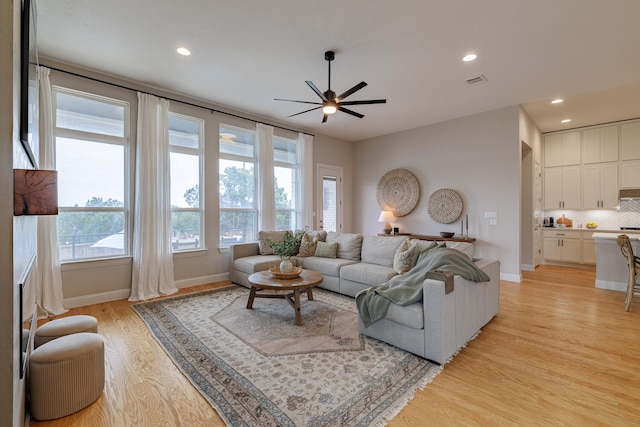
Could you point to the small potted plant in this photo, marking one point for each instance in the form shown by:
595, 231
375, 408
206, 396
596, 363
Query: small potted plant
285, 249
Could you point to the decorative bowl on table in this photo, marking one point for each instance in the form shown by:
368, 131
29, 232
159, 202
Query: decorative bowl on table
447, 234
275, 272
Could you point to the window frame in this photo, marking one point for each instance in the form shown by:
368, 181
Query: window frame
123, 141
245, 159
295, 167
201, 202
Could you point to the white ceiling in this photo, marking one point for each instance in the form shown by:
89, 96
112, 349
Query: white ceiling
245, 53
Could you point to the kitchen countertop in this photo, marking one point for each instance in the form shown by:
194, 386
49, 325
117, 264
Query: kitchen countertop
595, 230
635, 235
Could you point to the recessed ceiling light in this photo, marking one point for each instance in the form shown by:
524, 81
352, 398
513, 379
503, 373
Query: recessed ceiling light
183, 51
557, 101
565, 121
469, 57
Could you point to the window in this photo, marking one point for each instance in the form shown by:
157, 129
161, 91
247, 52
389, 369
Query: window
238, 213
92, 155
185, 145
286, 183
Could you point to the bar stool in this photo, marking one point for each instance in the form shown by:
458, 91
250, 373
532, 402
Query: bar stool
633, 288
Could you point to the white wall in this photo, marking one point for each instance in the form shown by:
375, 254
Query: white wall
17, 234
478, 156
530, 205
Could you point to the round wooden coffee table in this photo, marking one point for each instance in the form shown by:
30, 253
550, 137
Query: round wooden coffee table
263, 280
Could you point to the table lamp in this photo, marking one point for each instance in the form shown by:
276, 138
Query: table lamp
386, 217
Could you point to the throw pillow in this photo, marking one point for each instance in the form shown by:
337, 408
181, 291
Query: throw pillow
275, 236
326, 250
308, 245
405, 257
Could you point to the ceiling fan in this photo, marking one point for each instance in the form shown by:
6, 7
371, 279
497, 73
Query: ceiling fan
330, 102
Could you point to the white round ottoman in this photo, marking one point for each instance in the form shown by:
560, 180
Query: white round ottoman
66, 375
64, 326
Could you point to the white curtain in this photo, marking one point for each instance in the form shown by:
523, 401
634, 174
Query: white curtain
305, 163
152, 255
49, 278
265, 190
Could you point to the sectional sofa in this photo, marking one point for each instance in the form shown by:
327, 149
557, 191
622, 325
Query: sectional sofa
435, 328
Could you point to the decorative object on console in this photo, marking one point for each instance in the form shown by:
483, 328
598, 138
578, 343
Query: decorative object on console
398, 191
386, 217
447, 234
445, 205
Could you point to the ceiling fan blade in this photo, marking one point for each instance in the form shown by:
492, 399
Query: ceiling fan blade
316, 90
294, 100
371, 101
325, 117
350, 91
353, 113
305, 111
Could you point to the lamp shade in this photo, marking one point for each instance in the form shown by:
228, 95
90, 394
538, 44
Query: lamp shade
386, 216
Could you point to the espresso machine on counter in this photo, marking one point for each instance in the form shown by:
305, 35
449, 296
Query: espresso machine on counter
548, 221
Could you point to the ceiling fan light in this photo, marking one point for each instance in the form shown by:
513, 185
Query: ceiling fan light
329, 109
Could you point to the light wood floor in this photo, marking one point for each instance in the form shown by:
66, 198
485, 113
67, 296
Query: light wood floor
559, 352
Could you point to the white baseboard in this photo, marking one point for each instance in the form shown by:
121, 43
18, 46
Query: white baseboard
614, 286
203, 280
96, 298
527, 267
517, 278
125, 293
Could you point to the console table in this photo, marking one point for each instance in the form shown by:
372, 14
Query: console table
424, 237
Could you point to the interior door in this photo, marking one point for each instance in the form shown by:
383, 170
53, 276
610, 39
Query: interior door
329, 197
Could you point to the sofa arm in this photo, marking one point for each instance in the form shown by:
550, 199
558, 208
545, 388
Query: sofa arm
241, 250
451, 319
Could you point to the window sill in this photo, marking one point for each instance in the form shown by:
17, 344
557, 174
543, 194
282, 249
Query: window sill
190, 254
86, 264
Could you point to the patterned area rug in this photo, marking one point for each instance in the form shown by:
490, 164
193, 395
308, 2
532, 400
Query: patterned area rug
257, 368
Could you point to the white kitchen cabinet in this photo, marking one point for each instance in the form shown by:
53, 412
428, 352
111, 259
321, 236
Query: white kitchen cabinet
563, 246
562, 188
630, 174
600, 145
588, 248
600, 186
630, 141
562, 149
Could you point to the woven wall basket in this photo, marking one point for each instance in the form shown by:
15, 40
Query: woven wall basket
398, 191
445, 205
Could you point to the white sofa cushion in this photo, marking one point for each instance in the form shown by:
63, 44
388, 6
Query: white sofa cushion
275, 236
368, 274
349, 245
255, 263
380, 249
326, 266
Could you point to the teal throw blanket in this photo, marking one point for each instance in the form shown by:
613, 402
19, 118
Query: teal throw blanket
406, 289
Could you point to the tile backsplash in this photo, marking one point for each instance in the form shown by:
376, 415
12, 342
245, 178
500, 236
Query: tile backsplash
628, 215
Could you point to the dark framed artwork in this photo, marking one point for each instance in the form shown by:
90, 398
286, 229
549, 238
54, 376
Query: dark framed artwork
29, 83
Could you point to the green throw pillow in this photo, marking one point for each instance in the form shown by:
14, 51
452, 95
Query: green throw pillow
326, 250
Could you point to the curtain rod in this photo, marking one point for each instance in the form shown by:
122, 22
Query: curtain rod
213, 110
